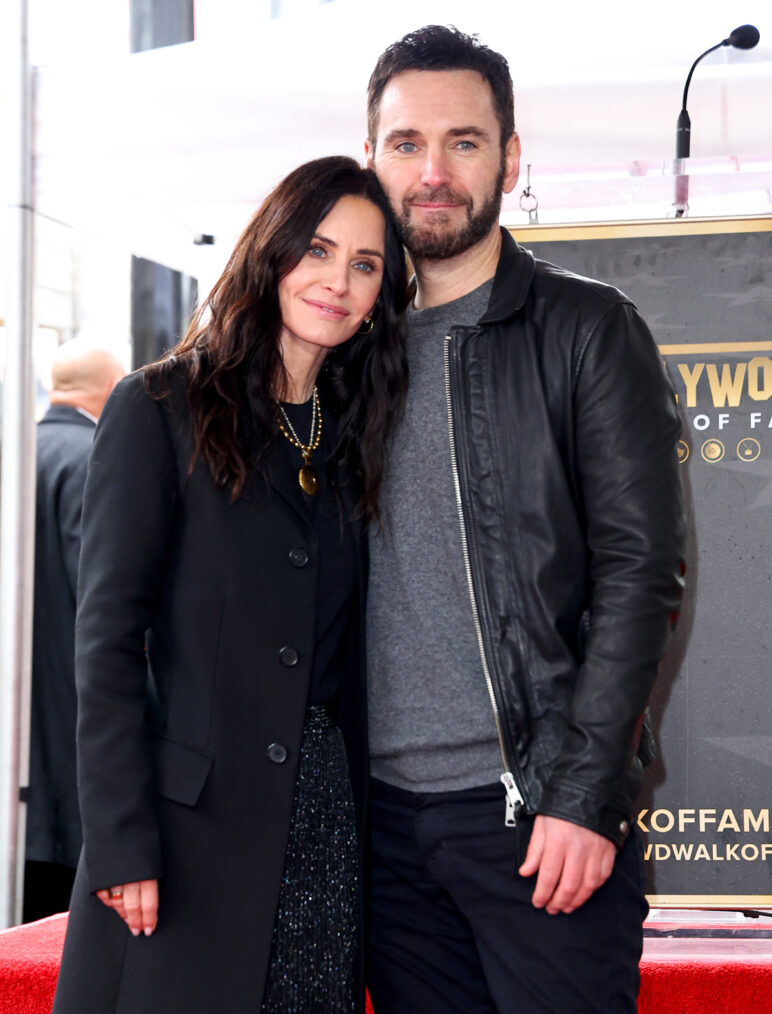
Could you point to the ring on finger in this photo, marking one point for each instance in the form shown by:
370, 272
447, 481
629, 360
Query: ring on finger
116, 893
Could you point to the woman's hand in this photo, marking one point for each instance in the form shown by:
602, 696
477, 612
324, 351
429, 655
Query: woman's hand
136, 904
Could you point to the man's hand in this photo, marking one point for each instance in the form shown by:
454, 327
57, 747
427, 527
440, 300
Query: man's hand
136, 904
571, 861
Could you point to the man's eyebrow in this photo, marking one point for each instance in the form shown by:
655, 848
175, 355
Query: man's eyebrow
404, 134
470, 132
362, 250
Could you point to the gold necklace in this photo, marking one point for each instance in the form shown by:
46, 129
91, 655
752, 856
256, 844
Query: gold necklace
308, 477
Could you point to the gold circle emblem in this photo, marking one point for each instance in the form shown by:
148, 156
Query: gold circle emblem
748, 449
712, 451
682, 450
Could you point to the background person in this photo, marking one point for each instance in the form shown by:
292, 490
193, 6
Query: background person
524, 592
223, 534
82, 377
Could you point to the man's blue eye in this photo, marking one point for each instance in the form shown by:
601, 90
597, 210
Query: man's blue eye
407, 146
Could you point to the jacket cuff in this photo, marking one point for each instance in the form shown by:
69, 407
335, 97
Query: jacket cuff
127, 864
584, 805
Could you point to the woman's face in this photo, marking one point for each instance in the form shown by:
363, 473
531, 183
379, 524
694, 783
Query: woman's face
328, 294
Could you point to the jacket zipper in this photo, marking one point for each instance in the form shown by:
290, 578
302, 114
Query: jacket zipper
514, 797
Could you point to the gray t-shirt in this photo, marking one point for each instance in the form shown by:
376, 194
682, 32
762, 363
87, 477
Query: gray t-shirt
432, 727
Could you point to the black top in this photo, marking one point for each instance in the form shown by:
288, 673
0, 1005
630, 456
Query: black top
337, 561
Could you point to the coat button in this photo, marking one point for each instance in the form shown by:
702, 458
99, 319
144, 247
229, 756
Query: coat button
624, 826
277, 753
289, 656
298, 557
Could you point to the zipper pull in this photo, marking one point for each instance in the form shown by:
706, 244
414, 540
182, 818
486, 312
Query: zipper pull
514, 800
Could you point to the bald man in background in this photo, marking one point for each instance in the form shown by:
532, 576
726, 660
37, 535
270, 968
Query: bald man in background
82, 378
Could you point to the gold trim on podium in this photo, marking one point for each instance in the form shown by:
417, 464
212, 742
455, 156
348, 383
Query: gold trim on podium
709, 900
706, 348
644, 227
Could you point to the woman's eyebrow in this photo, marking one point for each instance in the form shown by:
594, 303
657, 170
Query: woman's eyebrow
362, 250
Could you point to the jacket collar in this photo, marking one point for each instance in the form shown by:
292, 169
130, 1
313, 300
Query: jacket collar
511, 281
66, 413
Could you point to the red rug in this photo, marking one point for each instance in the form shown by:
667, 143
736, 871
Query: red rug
678, 976
29, 964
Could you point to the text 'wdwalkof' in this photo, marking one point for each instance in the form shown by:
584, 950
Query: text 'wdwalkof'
691, 852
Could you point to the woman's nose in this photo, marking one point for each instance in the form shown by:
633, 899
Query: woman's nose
336, 278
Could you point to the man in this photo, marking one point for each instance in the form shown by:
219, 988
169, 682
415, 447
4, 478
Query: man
524, 588
82, 378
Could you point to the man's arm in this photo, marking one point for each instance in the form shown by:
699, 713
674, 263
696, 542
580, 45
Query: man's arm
626, 432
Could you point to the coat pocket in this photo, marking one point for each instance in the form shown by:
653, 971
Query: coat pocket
180, 771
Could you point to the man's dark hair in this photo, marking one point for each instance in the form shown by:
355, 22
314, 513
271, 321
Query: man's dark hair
440, 47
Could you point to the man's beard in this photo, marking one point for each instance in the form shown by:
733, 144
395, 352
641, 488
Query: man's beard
432, 242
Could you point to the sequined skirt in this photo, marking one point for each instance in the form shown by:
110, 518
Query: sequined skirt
315, 947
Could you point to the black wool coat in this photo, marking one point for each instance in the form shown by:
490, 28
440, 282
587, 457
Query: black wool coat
186, 605
64, 439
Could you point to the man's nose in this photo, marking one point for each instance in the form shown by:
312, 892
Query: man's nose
435, 170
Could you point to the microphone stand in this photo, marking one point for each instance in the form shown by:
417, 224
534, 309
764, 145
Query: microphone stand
681, 202
683, 143
744, 37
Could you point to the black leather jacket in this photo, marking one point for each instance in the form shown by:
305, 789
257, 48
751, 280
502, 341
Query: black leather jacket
564, 430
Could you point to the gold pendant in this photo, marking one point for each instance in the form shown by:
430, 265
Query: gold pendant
309, 480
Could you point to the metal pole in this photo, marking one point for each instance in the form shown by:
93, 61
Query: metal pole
17, 500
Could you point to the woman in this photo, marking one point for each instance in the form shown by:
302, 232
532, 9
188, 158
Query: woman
218, 643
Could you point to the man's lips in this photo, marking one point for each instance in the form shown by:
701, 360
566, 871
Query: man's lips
436, 205
327, 309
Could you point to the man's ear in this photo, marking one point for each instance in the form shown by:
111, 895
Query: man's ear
369, 154
512, 163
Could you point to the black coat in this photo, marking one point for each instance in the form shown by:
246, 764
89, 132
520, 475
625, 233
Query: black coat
64, 439
176, 778
565, 429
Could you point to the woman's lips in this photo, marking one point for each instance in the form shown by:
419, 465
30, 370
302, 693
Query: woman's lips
327, 308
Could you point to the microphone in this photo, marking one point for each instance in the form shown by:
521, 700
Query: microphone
744, 37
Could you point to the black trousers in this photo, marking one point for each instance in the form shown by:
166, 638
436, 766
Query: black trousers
453, 930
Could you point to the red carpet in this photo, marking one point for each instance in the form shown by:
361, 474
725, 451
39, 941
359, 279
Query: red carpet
29, 964
729, 974
678, 975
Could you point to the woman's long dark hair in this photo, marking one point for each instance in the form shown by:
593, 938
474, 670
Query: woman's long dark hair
231, 352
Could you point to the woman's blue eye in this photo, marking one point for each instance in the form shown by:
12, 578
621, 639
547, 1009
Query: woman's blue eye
317, 251
364, 266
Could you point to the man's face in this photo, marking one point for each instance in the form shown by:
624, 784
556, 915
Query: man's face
438, 155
